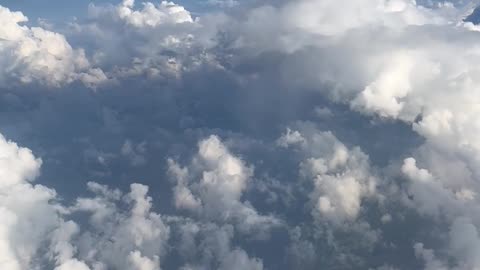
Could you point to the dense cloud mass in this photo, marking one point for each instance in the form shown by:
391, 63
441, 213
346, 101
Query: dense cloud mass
293, 134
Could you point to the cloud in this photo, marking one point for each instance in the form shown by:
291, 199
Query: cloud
33, 217
121, 231
151, 15
341, 177
134, 153
431, 262
212, 187
135, 239
36, 55
158, 41
212, 244
370, 63
333, 20
224, 3
21, 205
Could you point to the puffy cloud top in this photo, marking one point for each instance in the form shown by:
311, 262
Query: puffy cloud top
33, 54
151, 15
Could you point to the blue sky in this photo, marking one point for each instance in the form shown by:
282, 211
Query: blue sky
52, 9
58, 10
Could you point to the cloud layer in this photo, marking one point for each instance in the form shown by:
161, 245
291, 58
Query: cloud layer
245, 135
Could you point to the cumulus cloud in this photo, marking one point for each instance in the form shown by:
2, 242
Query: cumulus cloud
431, 262
151, 15
341, 177
158, 41
207, 245
333, 20
36, 55
33, 218
370, 63
135, 239
21, 205
212, 187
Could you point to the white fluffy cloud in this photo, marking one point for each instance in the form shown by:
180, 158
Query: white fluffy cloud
33, 221
333, 20
134, 239
341, 176
212, 187
22, 205
36, 55
152, 15
394, 60
433, 197
156, 40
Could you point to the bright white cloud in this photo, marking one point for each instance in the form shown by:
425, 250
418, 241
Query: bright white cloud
32, 219
433, 198
336, 17
36, 55
341, 176
212, 187
397, 60
152, 15
122, 240
158, 41
21, 205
